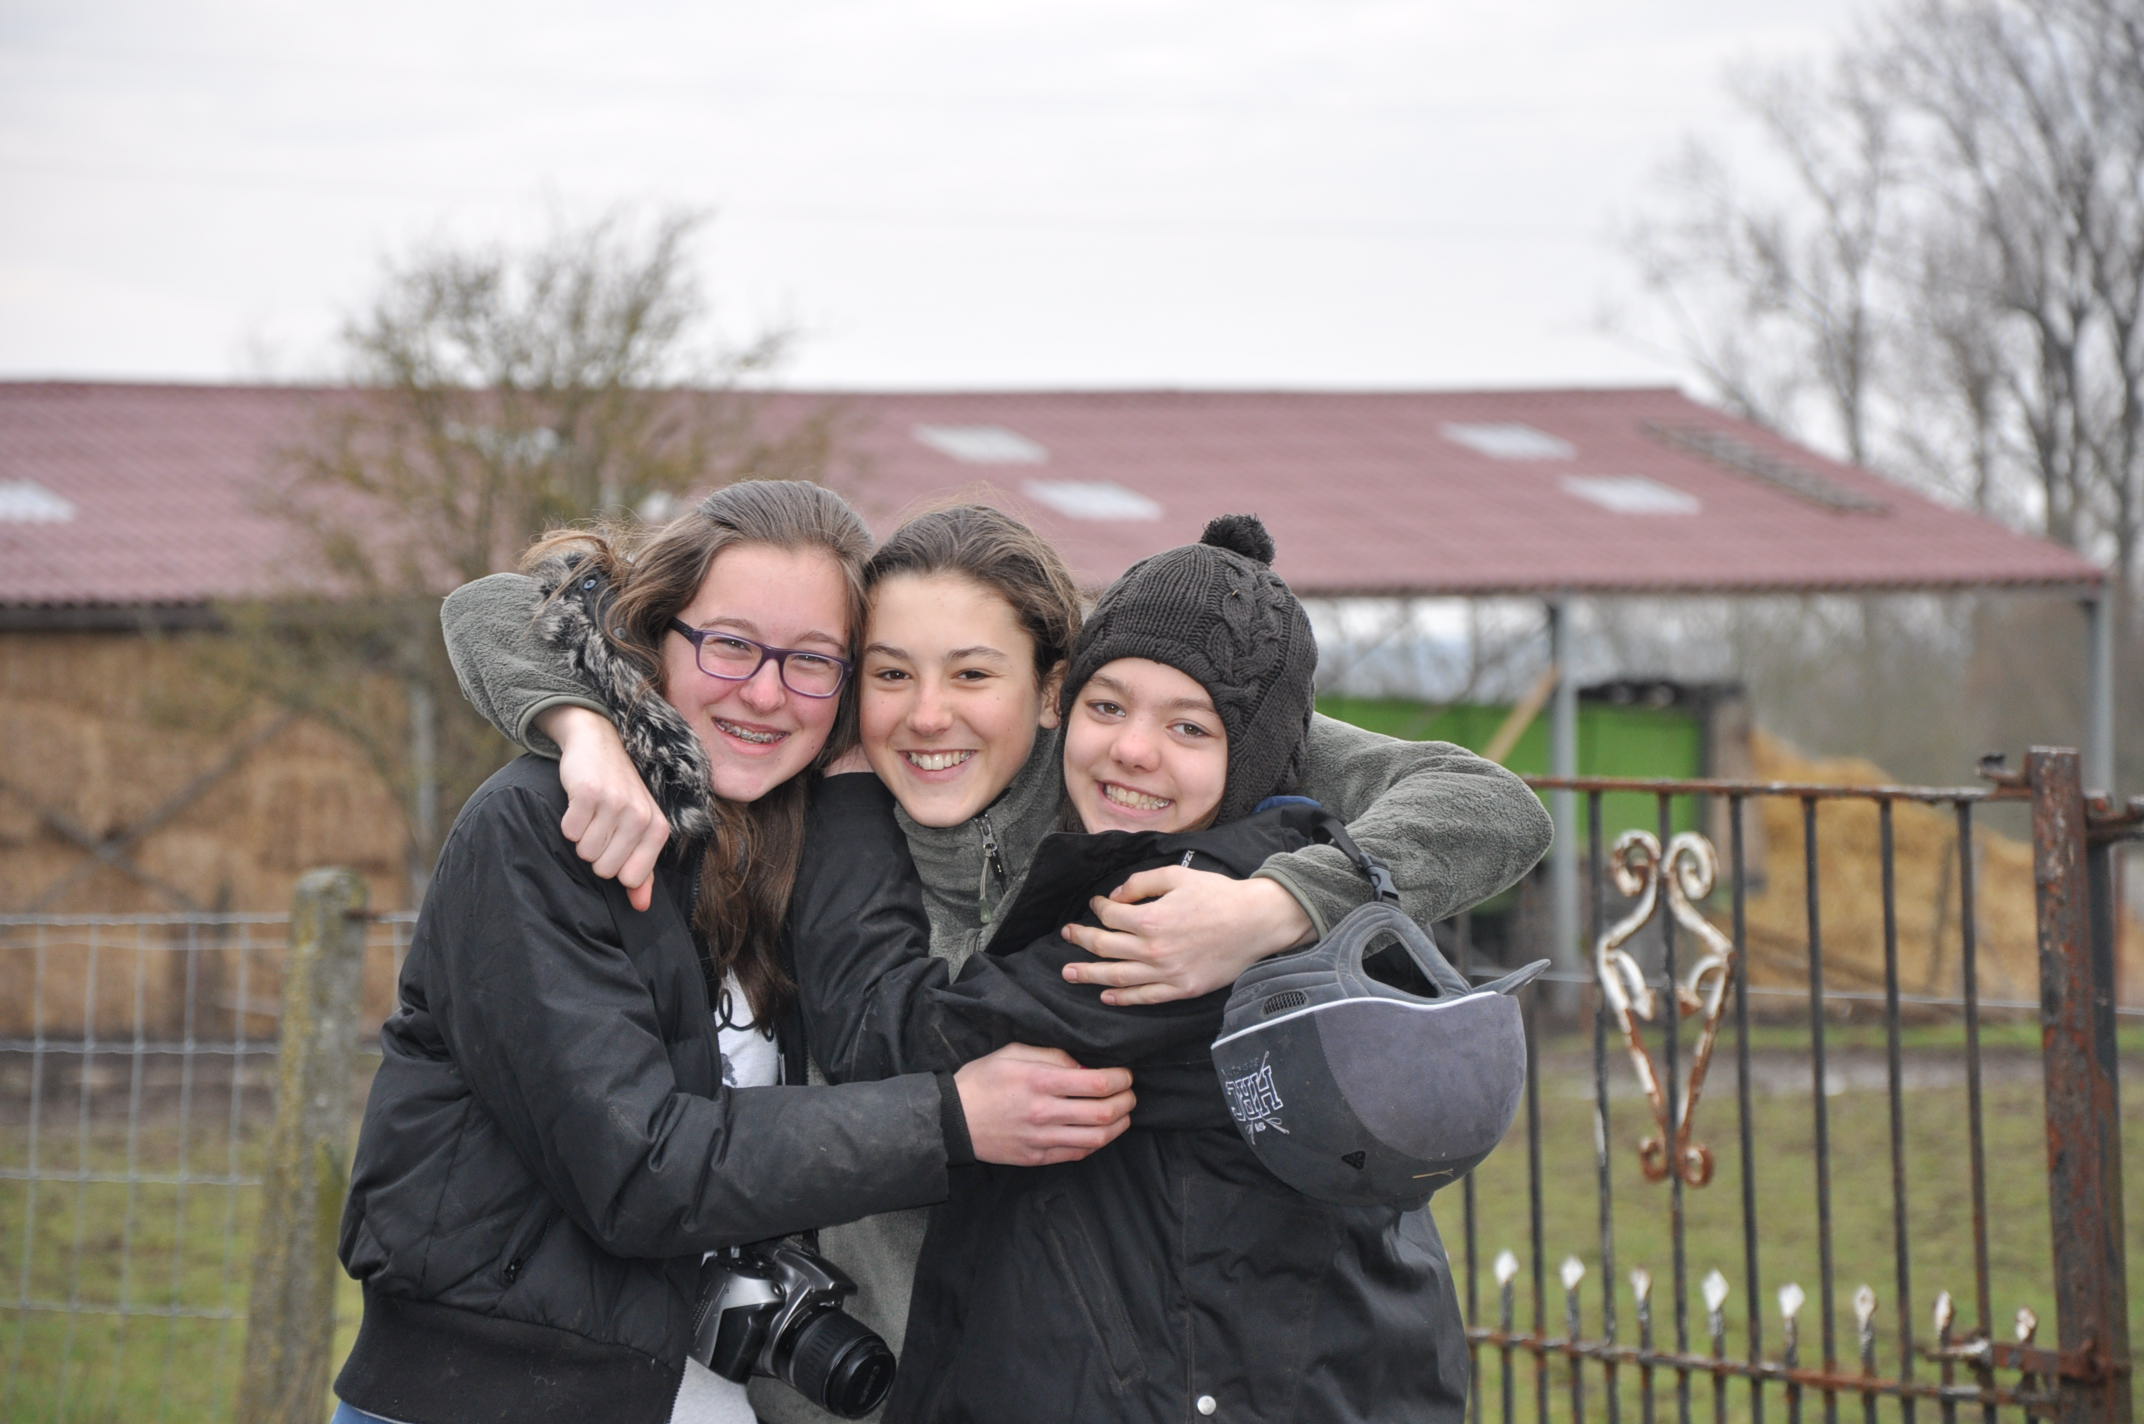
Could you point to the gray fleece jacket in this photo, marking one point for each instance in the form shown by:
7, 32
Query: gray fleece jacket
1454, 829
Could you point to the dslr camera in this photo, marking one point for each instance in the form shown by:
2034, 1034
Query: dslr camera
778, 1311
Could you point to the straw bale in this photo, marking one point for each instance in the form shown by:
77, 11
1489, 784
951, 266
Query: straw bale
106, 728
1927, 876
103, 730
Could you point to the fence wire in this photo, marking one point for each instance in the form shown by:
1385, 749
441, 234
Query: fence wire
137, 1065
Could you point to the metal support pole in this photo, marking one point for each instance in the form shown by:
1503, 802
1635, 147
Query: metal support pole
2084, 1152
1564, 951
2099, 694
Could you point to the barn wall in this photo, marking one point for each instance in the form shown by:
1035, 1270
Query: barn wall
105, 727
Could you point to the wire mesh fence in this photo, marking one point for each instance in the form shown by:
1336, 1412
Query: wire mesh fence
137, 1065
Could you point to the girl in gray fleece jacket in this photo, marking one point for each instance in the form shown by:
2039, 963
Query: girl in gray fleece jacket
972, 618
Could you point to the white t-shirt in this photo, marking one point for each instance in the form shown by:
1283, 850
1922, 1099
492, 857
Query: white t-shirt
749, 1060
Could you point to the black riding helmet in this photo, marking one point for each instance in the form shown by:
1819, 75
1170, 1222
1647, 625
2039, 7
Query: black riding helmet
1356, 1091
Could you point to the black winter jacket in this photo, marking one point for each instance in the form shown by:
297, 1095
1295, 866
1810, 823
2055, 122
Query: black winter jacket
1168, 1276
549, 1150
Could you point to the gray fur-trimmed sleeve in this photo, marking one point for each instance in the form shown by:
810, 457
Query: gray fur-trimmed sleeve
1453, 828
506, 669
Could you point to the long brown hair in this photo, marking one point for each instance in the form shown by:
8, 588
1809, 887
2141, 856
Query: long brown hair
750, 864
1003, 555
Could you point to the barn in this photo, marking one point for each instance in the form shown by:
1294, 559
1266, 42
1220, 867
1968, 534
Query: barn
132, 779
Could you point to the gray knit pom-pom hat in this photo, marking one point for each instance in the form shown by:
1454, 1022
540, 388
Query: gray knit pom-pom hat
1217, 612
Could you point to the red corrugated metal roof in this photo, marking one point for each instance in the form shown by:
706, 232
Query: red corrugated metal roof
1365, 492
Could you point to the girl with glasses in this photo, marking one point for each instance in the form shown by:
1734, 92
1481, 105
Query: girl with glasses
578, 1100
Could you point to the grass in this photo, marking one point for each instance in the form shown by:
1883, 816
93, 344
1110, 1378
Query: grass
149, 1278
157, 1246
1939, 1215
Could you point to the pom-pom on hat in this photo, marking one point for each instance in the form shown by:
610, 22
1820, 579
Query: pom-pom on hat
1217, 612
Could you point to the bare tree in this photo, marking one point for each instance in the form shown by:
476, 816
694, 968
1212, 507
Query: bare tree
2032, 159
1775, 295
1933, 262
1949, 260
495, 392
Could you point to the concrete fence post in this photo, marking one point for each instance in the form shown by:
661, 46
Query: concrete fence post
290, 1315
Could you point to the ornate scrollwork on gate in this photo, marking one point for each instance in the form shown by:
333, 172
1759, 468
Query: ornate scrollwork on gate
1688, 871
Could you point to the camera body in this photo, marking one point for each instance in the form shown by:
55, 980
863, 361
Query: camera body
777, 1311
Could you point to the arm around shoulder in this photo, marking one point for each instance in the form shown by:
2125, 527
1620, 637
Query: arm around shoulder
506, 671
1453, 827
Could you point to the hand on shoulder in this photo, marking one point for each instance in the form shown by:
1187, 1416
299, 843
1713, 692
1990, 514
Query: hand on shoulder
612, 820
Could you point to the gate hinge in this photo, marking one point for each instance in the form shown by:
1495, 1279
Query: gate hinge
2086, 1364
2103, 824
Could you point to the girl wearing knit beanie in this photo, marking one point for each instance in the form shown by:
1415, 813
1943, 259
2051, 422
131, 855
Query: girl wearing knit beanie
1198, 663
1169, 1275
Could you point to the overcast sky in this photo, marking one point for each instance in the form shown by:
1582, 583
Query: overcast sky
937, 193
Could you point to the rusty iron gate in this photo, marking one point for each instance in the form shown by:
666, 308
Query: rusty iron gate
1911, 1152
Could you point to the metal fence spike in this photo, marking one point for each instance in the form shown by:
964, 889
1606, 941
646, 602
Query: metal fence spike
1507, 1270
1946, 1312
1573, 1271
1791, 1300
2028, 1324
1641, 1283
1715, 1289
1865, 1326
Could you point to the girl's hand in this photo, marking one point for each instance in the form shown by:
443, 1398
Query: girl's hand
1194, 934
611, 819
1029, 1107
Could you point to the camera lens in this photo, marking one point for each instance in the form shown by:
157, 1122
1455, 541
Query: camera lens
840, 1363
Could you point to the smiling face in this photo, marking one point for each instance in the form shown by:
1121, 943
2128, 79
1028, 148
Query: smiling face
1144, 750
948, 700
757, 732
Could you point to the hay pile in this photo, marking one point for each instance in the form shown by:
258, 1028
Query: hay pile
108, 733
1927, 876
